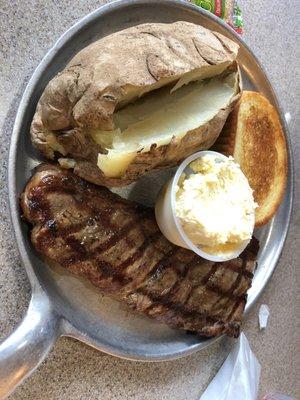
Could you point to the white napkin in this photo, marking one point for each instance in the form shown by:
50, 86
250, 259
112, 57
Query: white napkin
238, 378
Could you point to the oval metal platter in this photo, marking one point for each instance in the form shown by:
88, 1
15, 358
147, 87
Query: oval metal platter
85, 314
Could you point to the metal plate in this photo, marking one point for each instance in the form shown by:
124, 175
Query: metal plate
88, 316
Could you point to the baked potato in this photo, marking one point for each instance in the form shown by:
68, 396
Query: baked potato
140, 99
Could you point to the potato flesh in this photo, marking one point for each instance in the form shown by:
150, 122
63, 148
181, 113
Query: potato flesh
132, 92
159, 117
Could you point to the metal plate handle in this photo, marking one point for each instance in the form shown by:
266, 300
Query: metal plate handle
29, 344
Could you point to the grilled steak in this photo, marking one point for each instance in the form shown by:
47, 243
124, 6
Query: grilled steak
117, 245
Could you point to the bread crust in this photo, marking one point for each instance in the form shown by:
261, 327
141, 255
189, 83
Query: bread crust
254, 137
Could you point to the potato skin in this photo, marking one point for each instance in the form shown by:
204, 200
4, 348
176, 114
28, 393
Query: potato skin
114, 71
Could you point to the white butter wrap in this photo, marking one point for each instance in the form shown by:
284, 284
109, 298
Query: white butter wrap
263, 316
238, 378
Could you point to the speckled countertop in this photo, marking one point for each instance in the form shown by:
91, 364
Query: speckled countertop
75, 371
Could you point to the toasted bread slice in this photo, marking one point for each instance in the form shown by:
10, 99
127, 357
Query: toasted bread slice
253, 136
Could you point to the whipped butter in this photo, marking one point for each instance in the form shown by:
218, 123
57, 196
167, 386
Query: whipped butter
215, 205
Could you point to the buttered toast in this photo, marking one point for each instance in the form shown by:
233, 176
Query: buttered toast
253, 136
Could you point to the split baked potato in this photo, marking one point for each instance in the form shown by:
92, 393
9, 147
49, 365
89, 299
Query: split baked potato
140, 99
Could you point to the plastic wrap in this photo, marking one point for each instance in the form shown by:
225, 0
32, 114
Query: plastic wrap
228, 10
276, 396
238, 378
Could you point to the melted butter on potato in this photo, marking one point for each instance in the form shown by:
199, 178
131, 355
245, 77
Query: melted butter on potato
114, 163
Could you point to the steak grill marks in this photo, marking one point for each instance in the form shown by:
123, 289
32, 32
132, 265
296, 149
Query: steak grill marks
39, 198
133, 226
180, 307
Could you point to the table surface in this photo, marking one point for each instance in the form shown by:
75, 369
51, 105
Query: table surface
76, 371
